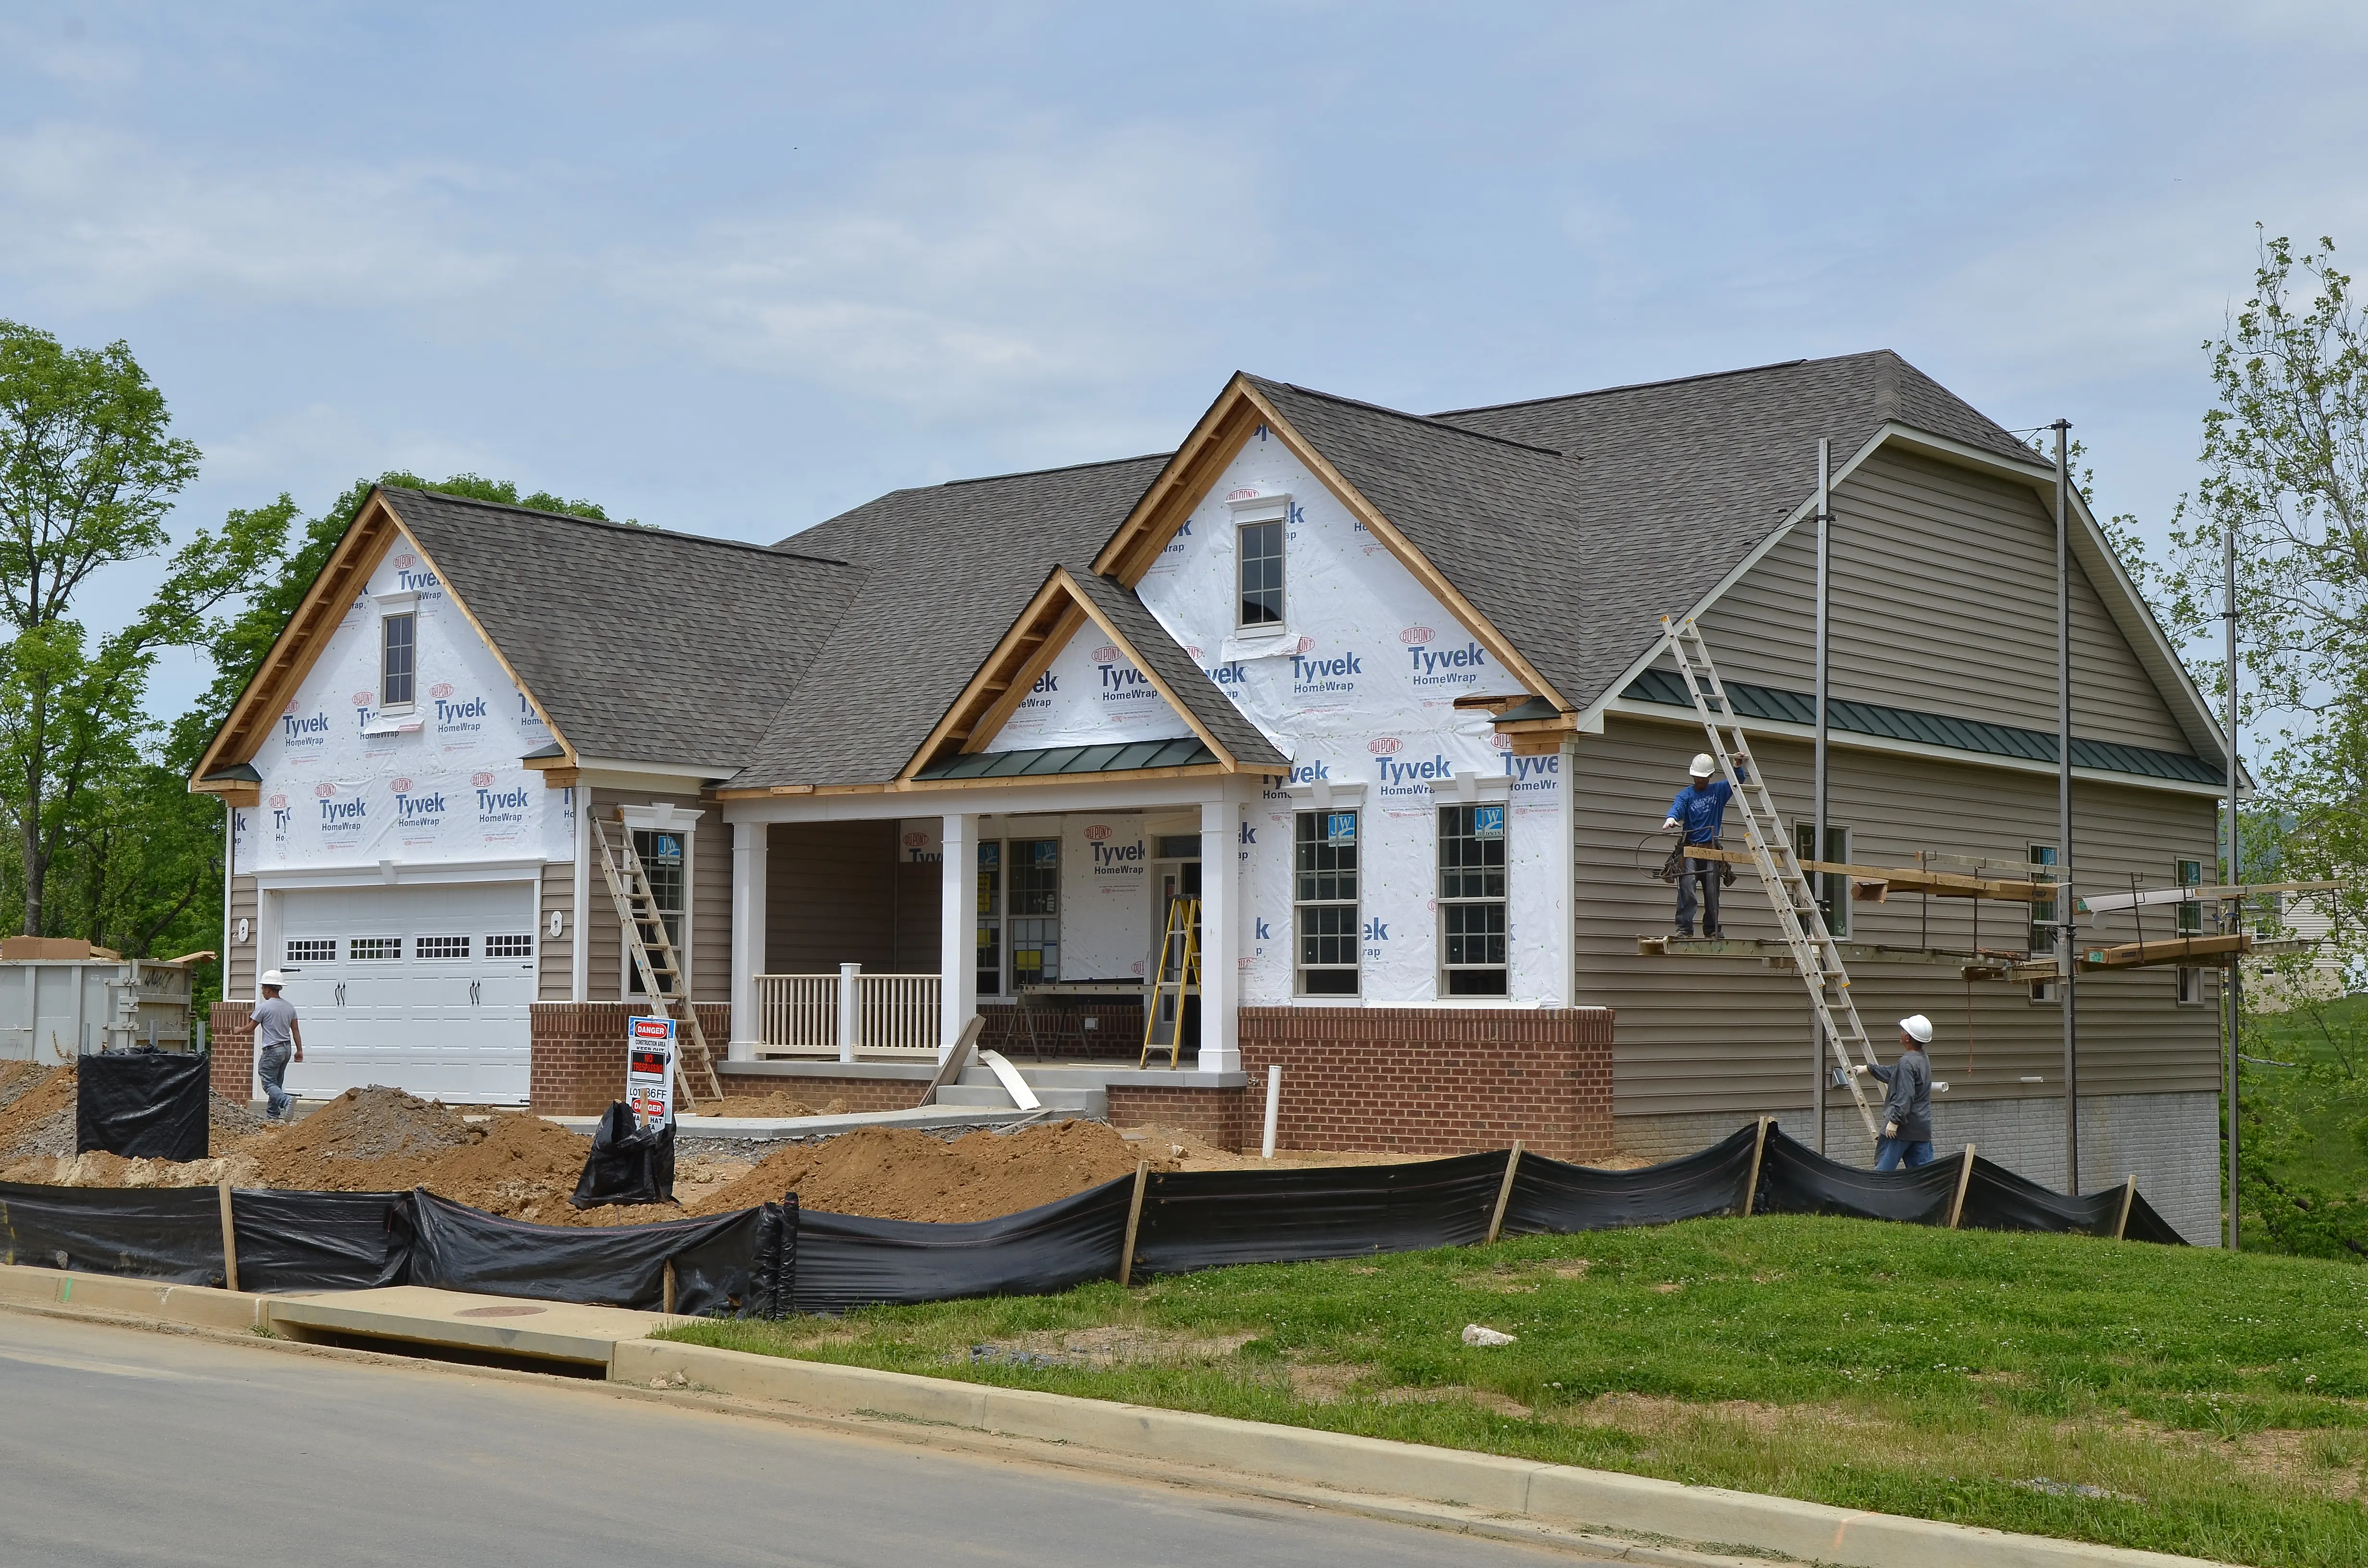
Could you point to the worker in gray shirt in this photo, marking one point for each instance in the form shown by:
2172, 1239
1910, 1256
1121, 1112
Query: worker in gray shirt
279, 1040
1908, 1111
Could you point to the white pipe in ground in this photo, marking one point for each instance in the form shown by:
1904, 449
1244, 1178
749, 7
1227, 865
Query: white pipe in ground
1273, 1098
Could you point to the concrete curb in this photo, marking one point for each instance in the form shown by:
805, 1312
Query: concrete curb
1561, 1495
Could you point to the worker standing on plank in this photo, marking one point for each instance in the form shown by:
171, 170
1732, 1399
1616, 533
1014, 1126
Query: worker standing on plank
279, 1040
1908, 1111
1700, 813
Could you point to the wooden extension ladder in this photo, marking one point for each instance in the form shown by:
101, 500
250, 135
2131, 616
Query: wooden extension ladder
1815, 955
655, 957
1179, 950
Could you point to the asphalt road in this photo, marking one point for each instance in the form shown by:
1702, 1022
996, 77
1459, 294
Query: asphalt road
121, 1446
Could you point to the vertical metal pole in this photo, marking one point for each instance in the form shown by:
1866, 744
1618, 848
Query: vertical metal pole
2066, 945
1817, 783
2236, 985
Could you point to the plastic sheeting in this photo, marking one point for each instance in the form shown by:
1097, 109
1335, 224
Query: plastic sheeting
628, 1163
314, 1241
450, 1246
142, 1104
142, 1232
1551, 1199
1796, 1179
1998, 1199
844, 1261
1210, 1219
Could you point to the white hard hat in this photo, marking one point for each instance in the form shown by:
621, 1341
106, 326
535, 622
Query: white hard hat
1917, 1028
271, 977
1704, 766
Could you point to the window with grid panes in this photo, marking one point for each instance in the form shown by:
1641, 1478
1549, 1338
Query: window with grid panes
990, 919
1472, 900
1261, 569
2190, 913
1034, 896
666, 859
2041, 936
398, 653
1324, 903
1832, 887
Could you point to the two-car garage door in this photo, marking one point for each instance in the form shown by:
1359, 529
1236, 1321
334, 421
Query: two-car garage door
424, 988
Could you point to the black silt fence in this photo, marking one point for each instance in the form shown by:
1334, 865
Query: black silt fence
142, 1104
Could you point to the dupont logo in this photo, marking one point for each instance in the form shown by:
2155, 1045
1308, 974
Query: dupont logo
1384, 745
1194, 649
1097, 832
479, 780
402, 786
1499, 741
364, 699
1305, 645
322, 791
915, 840
1245, 494
1415, 635
441, 689
279, 802
401, 562
1106, 655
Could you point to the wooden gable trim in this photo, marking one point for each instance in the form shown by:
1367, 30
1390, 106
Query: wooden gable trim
298, 647
1057, 612
1222, 433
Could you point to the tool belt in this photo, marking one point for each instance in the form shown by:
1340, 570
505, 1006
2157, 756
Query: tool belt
1675, 866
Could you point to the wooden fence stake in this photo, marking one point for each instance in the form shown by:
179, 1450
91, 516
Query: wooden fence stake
1965, 1179
2129, 1195
230, 1240
666, 1305
1505, 1190
1751, 1187
1133, 1218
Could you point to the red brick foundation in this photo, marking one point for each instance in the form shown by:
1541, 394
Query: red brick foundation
1221, 1116
860, 1094
230, 1035
1432, 1080
578, 1063
1116, 1035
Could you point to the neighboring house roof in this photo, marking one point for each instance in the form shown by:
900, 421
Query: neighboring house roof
948, 569
640, 644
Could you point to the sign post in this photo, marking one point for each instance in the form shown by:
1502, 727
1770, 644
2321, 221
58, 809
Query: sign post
649, 1071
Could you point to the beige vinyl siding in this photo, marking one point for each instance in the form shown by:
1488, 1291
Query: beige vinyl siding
710, 901
1943, 601
1727, 1035
238, 967
838, 892
555, 956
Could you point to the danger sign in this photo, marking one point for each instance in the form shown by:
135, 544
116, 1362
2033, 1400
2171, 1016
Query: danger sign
649, 1071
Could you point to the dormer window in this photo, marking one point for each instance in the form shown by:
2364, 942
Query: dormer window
398, 659
1260, 551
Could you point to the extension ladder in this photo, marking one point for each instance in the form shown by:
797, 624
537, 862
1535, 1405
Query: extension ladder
1814, 954
655, 957
1180, 946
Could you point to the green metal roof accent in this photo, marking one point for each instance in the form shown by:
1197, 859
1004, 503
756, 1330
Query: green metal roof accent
1530, 708
1130, 757
236, 773
1931, 729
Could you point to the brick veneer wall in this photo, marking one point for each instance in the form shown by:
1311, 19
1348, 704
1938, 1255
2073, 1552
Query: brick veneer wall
230, 1035
1117, 1034
1218, 1115
860, 1094
1433, 1080
578, 1062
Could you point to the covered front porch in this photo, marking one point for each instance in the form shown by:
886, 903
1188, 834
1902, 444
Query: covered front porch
865, 931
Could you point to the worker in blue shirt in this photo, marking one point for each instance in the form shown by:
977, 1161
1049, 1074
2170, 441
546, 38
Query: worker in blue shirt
1700, 813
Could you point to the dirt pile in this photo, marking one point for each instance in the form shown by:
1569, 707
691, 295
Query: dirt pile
227, 1121
896, 1174
357, 1142
777, 1104
37, 1116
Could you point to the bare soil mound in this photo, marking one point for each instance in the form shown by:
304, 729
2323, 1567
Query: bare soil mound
777, 1104
895, 1174
356, 1141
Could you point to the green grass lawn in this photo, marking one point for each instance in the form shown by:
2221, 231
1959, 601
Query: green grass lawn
2176, 1399
2307, 1130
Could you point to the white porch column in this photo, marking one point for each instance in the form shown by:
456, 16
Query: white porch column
579, 901
749, 872
957, 929
1220, 938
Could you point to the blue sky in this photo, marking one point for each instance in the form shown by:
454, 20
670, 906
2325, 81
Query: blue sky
733, 270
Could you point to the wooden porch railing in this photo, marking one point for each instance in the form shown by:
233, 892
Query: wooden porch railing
847, 1015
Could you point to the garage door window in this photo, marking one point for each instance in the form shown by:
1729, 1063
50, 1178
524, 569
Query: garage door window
377, 948
306, 950
444, 947
510, 947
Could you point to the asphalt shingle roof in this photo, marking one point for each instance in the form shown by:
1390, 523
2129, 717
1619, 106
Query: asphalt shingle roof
1174, 667
642, 645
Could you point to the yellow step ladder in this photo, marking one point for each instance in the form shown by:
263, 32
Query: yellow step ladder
1178, 977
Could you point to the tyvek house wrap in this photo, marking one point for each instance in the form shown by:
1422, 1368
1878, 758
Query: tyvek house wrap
1090, 694
1358, 687
345, 783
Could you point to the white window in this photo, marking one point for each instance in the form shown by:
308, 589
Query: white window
665, 860
1019, 913
1472, 900
2191, 986
398, 659
2041, 937
313, 951
375, 947
1324, 903
442, 947
2190, 913
1832, 887
518, 947
1259, 549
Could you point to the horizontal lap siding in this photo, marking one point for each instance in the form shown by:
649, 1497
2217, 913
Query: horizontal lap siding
710, 901
1943, 601
238, 972
831, 895
555, 970
1720, 1035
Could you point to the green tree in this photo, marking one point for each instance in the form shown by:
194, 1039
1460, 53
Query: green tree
88, 469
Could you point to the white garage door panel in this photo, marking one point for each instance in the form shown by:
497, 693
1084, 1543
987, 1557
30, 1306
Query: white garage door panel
445, 1020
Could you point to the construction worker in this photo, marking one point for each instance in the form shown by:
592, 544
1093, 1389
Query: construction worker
1907, 1110
279, 1040
1699, 812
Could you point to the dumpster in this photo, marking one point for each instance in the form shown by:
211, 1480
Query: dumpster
54, 1008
